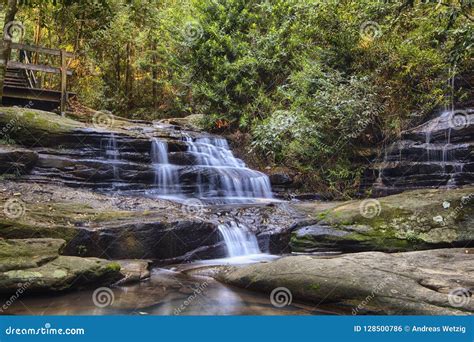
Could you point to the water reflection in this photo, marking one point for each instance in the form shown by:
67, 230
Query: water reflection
167, 292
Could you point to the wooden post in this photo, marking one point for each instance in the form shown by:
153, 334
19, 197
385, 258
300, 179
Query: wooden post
63, 82
5, 51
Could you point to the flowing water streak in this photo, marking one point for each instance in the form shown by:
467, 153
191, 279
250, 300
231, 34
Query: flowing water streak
229, 176
166, 176
112, 153
238, 239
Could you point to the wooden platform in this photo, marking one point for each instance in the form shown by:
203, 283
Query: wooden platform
19, 83
32, 97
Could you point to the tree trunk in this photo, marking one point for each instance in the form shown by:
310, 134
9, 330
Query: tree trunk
154, 75
128, 76
10, 12
37, 35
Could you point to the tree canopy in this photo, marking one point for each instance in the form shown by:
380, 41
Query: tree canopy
310, 81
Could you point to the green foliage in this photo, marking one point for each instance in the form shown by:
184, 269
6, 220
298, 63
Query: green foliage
312, 81
327, 113
6, 140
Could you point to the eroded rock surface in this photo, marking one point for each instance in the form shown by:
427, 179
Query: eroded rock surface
370, 282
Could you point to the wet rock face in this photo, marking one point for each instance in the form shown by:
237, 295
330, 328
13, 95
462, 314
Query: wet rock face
159, 159
154, 240
281, 179
439, 153
16, 160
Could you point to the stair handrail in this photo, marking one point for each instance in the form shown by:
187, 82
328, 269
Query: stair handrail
30, 75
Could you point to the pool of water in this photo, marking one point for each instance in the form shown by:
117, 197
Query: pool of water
169, 291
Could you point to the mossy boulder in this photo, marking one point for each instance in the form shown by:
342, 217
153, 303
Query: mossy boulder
29, 122
28, 253
62, 273
35, 264
412, 220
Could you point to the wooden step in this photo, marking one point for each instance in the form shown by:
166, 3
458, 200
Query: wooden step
16, 84
15, 78
15, 75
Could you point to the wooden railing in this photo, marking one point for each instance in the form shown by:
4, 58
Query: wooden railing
6, 62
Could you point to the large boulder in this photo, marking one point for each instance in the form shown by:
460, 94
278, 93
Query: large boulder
434, 282
412, 220
62, 273
136, 239
35, 264
280, 179
35, 127
28, 253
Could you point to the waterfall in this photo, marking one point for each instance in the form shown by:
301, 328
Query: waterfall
238, 239
112, 153
427, 143
437, 152
230, 177
166, 176
207, 170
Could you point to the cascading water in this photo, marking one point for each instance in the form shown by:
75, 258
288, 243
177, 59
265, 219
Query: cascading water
437, 153
230, 178
112, 153
238, 239
166, 176
207, 170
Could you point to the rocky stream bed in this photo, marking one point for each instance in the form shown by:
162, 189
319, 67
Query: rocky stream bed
88, 208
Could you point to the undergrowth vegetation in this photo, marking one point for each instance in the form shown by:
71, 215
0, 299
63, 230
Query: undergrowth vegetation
312, 82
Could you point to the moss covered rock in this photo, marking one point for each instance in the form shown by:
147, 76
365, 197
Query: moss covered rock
28, 253
30, 121
62, 273
412, 220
